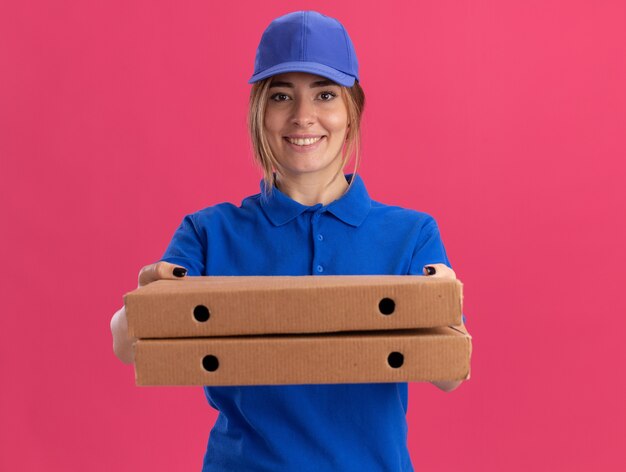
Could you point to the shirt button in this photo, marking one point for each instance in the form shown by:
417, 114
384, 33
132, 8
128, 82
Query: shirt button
320, 268
320, 237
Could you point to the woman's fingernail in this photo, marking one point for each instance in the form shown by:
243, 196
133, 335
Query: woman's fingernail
430, 270
180, 272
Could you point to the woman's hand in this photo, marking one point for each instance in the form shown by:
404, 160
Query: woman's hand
123, 343
439, 271
444, 272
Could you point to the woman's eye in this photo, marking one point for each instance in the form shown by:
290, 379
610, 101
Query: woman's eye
326, 96
279, 97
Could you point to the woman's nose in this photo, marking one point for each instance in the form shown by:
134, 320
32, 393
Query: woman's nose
303, 112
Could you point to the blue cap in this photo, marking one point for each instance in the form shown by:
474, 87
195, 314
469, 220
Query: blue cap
306, 41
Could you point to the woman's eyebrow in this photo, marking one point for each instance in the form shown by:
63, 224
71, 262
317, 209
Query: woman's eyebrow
278, 83
323, 83
319, 83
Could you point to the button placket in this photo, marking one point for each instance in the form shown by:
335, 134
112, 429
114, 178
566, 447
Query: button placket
318, 267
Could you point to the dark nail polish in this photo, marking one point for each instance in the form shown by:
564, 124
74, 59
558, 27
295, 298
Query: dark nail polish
180, 272
430, 270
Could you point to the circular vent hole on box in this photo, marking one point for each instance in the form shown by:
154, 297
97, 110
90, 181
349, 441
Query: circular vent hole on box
387, 306
395, 359
201, 313
210, 363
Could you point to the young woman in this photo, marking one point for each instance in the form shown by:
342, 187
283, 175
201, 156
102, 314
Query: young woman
308, 219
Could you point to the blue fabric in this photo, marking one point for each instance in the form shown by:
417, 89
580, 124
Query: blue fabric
306, 41
340, 427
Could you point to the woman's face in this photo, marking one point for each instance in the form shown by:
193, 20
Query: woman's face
306, 121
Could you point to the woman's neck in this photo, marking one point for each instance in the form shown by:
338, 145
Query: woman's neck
310, 192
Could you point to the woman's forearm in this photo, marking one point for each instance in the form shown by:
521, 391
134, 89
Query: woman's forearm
122, 341
447, 385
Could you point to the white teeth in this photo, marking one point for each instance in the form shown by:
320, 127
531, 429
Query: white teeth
303, 142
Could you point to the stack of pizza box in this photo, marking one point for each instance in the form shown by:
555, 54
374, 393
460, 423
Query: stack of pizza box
277, 330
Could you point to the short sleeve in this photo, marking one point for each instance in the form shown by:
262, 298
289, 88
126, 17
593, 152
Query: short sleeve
429, 248
187, 247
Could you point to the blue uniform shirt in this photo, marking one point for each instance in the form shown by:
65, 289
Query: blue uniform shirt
329, 427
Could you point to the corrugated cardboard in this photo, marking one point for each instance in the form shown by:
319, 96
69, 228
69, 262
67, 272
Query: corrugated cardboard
394, 356
223, 306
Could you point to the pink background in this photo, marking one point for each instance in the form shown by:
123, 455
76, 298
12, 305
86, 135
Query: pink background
504, 120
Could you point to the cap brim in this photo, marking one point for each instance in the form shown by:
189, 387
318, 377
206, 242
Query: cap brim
310, 67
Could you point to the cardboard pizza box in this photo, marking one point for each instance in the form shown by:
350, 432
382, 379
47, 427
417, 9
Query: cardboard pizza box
232, 306
426, 354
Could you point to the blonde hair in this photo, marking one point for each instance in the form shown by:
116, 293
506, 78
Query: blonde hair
354, 99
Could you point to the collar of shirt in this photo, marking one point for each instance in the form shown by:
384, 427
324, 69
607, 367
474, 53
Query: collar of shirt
351, 208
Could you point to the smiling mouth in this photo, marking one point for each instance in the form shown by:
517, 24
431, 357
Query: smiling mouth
303, 141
